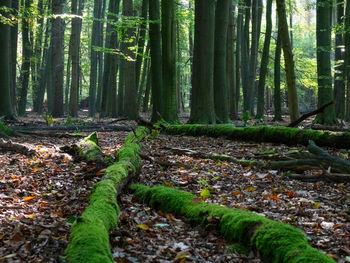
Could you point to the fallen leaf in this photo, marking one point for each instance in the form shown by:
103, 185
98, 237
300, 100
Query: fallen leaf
250, 189
205, 193
28, 198
143, 227
100, 172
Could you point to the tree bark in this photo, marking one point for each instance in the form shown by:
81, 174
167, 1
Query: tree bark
347, 57
264, 61
156, 59
202, 106
220, 56
289, 61
324, 74
5, 66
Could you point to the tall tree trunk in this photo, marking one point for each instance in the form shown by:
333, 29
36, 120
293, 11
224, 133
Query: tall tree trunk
141, 41
94, 62
130, 102
75, 48
324, 75
264, 61
202, 107
339, 76
5, 70
145, 70
156, 59
57, 58
121, 84
13, 58
347, 57
147, 91
289, 61
220, 67
231, 63
169, 109
277, 79
245, 56
26, 57
238, 54
190, 49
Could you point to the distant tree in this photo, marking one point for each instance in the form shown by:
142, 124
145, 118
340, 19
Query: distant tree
130, 99
277, 79
264, 61
289, 61
202, 106
324, 74
13, 58
339, 76
220, 55
57, 62
156, 58
75, 48
94, 56
26, 58
5, 70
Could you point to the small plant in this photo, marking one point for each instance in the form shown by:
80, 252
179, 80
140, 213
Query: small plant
49, 119
70, 122
245, 116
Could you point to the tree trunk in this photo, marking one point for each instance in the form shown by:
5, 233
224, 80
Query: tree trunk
347, 57
289, 61
130, 101
5, 78
238, 54
145, 70
147, 91
324, 75
13, 58
93, 59
245, 55
156, 59
75, 47
169, 109
277, 79
26, 57
202, 107
220, 55
57, 33
339, 76
264, 61
231, 64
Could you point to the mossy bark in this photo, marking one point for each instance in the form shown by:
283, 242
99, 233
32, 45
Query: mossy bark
289, 136
89, 241
5, 131
275, 241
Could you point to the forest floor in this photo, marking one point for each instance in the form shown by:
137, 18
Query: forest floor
41, 195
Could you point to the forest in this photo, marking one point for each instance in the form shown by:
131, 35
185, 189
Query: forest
174, 131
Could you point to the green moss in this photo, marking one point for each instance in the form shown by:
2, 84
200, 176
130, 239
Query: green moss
264, 133
88, 241
275, 241
89, 149
5, 131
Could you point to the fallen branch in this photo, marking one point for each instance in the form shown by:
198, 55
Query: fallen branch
82, 128
307, 115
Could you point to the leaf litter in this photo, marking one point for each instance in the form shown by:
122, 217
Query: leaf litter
41, 196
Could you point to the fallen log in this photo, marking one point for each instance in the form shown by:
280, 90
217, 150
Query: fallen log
213, 156
89, 238
5, 131
86, 149
9, 146
307, 115
82, 128
274, 241
286, 135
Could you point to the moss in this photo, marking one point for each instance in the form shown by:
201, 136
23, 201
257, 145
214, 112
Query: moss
89, 241
88, 148
275, 241
5, 131
264, 133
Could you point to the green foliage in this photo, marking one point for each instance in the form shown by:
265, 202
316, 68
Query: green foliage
76, 122
275, 241
245, 116
48, 119
5, 131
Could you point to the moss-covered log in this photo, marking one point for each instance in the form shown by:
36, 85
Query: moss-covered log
290, 136
86, 149
276, 242
89, 240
